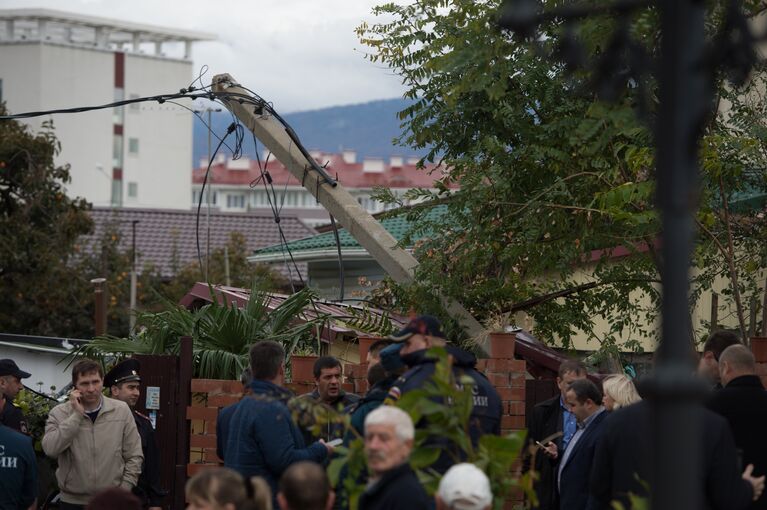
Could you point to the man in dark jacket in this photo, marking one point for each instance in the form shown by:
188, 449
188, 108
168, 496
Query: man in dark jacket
262, 439
549, 418
10, 386
18, 470
385, 367
393, 485
585, 401
714, 346
623, 461
417, 337
124, 384
743, 403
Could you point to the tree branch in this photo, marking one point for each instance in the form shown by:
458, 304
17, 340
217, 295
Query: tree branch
539, 300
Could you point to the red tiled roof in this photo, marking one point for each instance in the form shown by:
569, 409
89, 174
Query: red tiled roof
162, 234
350, 175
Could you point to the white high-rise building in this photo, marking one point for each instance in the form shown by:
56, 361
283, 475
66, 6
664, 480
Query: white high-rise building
134, 156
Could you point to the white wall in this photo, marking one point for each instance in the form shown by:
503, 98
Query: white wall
41, 77
162, 166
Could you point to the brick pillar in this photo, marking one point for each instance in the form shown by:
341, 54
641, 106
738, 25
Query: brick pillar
759, 348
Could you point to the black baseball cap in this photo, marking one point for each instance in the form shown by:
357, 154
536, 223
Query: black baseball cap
9, 367
422, 325
125, 371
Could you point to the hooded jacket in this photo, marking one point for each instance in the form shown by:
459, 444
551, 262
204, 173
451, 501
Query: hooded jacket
93, 455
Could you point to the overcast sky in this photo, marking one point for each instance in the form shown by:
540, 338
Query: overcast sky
298, 54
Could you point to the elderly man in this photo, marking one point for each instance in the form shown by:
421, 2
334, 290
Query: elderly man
393, 485
10, 386
464, 487
743, 403
94, 439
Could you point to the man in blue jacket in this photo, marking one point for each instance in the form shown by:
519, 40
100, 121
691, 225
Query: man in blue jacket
262, 439
18, 470
417, 337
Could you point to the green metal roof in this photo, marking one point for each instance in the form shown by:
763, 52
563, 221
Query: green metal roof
397, 225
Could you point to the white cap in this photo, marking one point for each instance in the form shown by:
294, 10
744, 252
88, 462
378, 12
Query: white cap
465, 487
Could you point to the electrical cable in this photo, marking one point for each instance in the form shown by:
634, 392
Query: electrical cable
229, 131
192, 92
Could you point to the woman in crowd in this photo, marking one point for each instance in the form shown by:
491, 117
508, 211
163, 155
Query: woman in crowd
619, 391
225, 489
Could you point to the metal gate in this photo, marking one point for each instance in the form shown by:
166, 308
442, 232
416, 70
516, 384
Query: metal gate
166, 393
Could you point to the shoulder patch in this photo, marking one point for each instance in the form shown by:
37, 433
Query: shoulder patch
394, 394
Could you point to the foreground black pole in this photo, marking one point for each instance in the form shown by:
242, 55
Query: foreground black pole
683, 106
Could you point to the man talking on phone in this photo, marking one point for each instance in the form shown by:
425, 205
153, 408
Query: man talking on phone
94, 439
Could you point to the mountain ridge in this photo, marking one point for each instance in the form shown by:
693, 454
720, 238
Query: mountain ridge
367, 128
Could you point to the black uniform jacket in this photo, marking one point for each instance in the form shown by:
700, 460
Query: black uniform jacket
743, 403
148, 486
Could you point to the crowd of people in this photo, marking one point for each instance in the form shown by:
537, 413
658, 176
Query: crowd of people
593, 446
588, 446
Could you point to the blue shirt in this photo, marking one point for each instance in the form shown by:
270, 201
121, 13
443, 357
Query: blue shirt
569, 424
18, 470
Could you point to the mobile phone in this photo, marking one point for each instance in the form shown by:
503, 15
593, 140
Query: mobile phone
335, 442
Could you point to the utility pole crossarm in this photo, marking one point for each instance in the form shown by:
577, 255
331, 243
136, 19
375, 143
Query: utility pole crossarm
371, 235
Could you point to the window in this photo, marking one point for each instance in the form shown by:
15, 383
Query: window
196, 197
133, 146
118, 113
117, 193
132, 190
117, 151
235, 201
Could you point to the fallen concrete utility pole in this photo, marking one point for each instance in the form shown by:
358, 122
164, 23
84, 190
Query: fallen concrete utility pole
397, 262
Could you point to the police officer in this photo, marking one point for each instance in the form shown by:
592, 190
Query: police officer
10, 385
123, 382
416, 338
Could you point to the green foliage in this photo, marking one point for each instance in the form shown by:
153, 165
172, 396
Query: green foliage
39, 226
35, 408
441, 408
221, 333
552, 181
366, 321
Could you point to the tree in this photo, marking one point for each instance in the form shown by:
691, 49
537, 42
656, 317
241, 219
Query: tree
39, 226
554, 182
